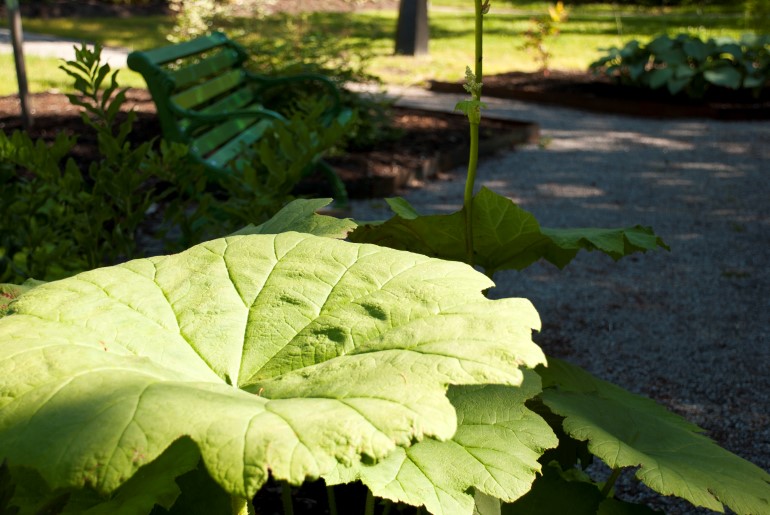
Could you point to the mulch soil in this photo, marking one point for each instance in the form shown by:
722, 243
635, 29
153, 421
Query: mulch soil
587, 91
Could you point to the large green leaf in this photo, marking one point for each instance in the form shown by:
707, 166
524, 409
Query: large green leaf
494, 451
504, 236
285, 353
301, 215
616, 243
10, 292
430, 235
627, 430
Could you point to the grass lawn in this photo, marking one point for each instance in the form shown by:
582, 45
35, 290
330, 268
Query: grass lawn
451, 49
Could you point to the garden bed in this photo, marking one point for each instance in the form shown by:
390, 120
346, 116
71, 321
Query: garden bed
430, 143
584, 90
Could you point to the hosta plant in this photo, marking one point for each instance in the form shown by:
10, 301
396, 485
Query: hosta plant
687, 64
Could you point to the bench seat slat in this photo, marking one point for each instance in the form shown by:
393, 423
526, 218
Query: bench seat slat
209, 140
212, 65
232, 102
239, 100
234, 147
198, 95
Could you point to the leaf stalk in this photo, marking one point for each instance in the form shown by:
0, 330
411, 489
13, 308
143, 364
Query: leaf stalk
481, 7
369, 508
288, 507
331, 499
607, 489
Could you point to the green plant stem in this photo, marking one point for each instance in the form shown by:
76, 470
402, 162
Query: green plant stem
331, 500
473, 159
369, 508
241, 506
611, 482
288, 507
470, 180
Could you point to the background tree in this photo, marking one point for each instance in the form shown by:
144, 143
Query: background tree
14, 19
412, 28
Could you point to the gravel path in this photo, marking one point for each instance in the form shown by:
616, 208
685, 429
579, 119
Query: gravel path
690, 327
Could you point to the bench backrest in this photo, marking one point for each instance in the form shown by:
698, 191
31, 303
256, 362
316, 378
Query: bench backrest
206, 99
204, 75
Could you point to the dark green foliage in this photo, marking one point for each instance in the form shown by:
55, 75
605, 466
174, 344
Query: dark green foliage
199, 495
560, 491
304, 47
273, 166
689, 65
57, 219
6, 491
757, 13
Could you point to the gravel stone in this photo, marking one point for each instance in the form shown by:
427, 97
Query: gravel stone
689, 328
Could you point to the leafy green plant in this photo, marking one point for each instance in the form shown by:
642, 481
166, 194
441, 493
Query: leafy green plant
293, 355
58, 219
193, 18
271, 169
301, 47
542, 30
622, 429
302, 392
687, 64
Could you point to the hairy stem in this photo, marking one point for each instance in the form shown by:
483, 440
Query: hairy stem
473, 159
241, 506
288, 507
369, 509
611, 482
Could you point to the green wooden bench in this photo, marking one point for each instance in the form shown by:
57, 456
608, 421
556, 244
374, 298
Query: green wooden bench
205, 98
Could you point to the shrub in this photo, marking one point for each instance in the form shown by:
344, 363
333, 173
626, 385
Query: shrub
303, 47
687, 64
57, 219
542, 30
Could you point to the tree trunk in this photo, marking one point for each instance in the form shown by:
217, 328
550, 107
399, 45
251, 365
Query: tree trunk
412, 29
14, 18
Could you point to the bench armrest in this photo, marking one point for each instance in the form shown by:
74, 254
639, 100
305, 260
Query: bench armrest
198, 119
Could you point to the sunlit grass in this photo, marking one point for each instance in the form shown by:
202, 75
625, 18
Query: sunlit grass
132, 33
43, 74
589, 29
